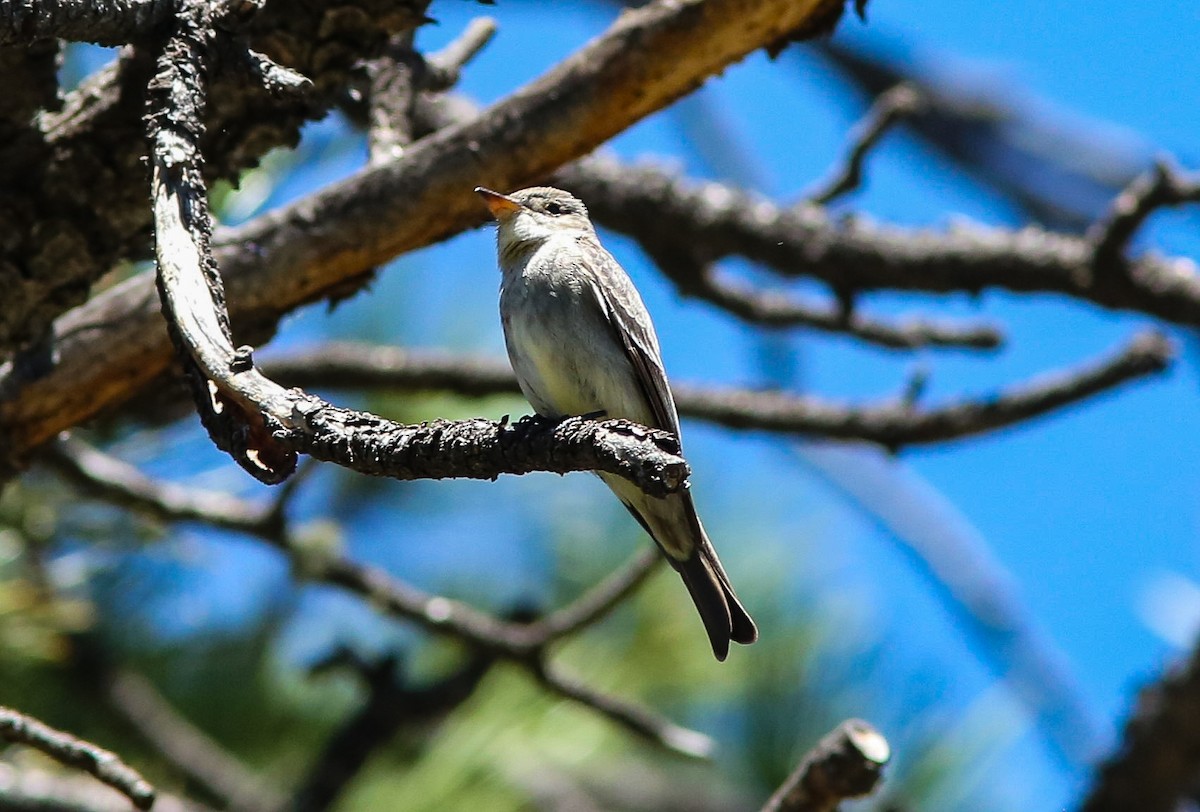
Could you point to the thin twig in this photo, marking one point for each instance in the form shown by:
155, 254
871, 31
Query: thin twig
772, 309
649, 725
600, 599
891, 107
847, 763
105, 766
1161, 187
445, 66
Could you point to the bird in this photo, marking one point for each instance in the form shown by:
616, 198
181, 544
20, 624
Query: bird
581, 343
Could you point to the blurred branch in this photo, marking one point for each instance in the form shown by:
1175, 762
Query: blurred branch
890, 107
390, 706
600, 599
526, 644
892, 425
853, 255
694, 276
105, 766
651, 726
1155, 767
1160, 188
35, 790
1059, 170
445, 67
394, 83
401, 74
847, 763
188, 749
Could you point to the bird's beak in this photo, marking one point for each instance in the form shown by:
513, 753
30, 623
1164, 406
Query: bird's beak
500, 205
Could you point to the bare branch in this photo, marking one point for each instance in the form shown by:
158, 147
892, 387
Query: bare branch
105, 766
779, 310
1156, 765
445, 66
186, 747
600, 599
391, 705
892, 425
889, 108
649, 725
847, 763
1161, 187
853, 255
895, 426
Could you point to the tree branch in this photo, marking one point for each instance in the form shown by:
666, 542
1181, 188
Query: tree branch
847, 763
648, 58
391, 705
893, 425
525, 644
1159, 188
854, 255
105, 766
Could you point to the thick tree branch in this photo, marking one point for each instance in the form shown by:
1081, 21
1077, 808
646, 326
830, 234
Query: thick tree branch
892, 425
847, 763
105, 766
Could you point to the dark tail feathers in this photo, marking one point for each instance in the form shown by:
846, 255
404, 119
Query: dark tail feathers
724, 617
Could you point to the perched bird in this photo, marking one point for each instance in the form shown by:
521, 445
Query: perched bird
581, 342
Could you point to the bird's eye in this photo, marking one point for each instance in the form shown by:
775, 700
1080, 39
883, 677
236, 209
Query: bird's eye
554, 208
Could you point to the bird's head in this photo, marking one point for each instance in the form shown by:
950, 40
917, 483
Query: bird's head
531, 216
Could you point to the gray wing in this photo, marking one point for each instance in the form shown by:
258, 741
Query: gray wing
631, 326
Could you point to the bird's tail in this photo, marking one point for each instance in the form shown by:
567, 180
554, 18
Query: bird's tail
724, 617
